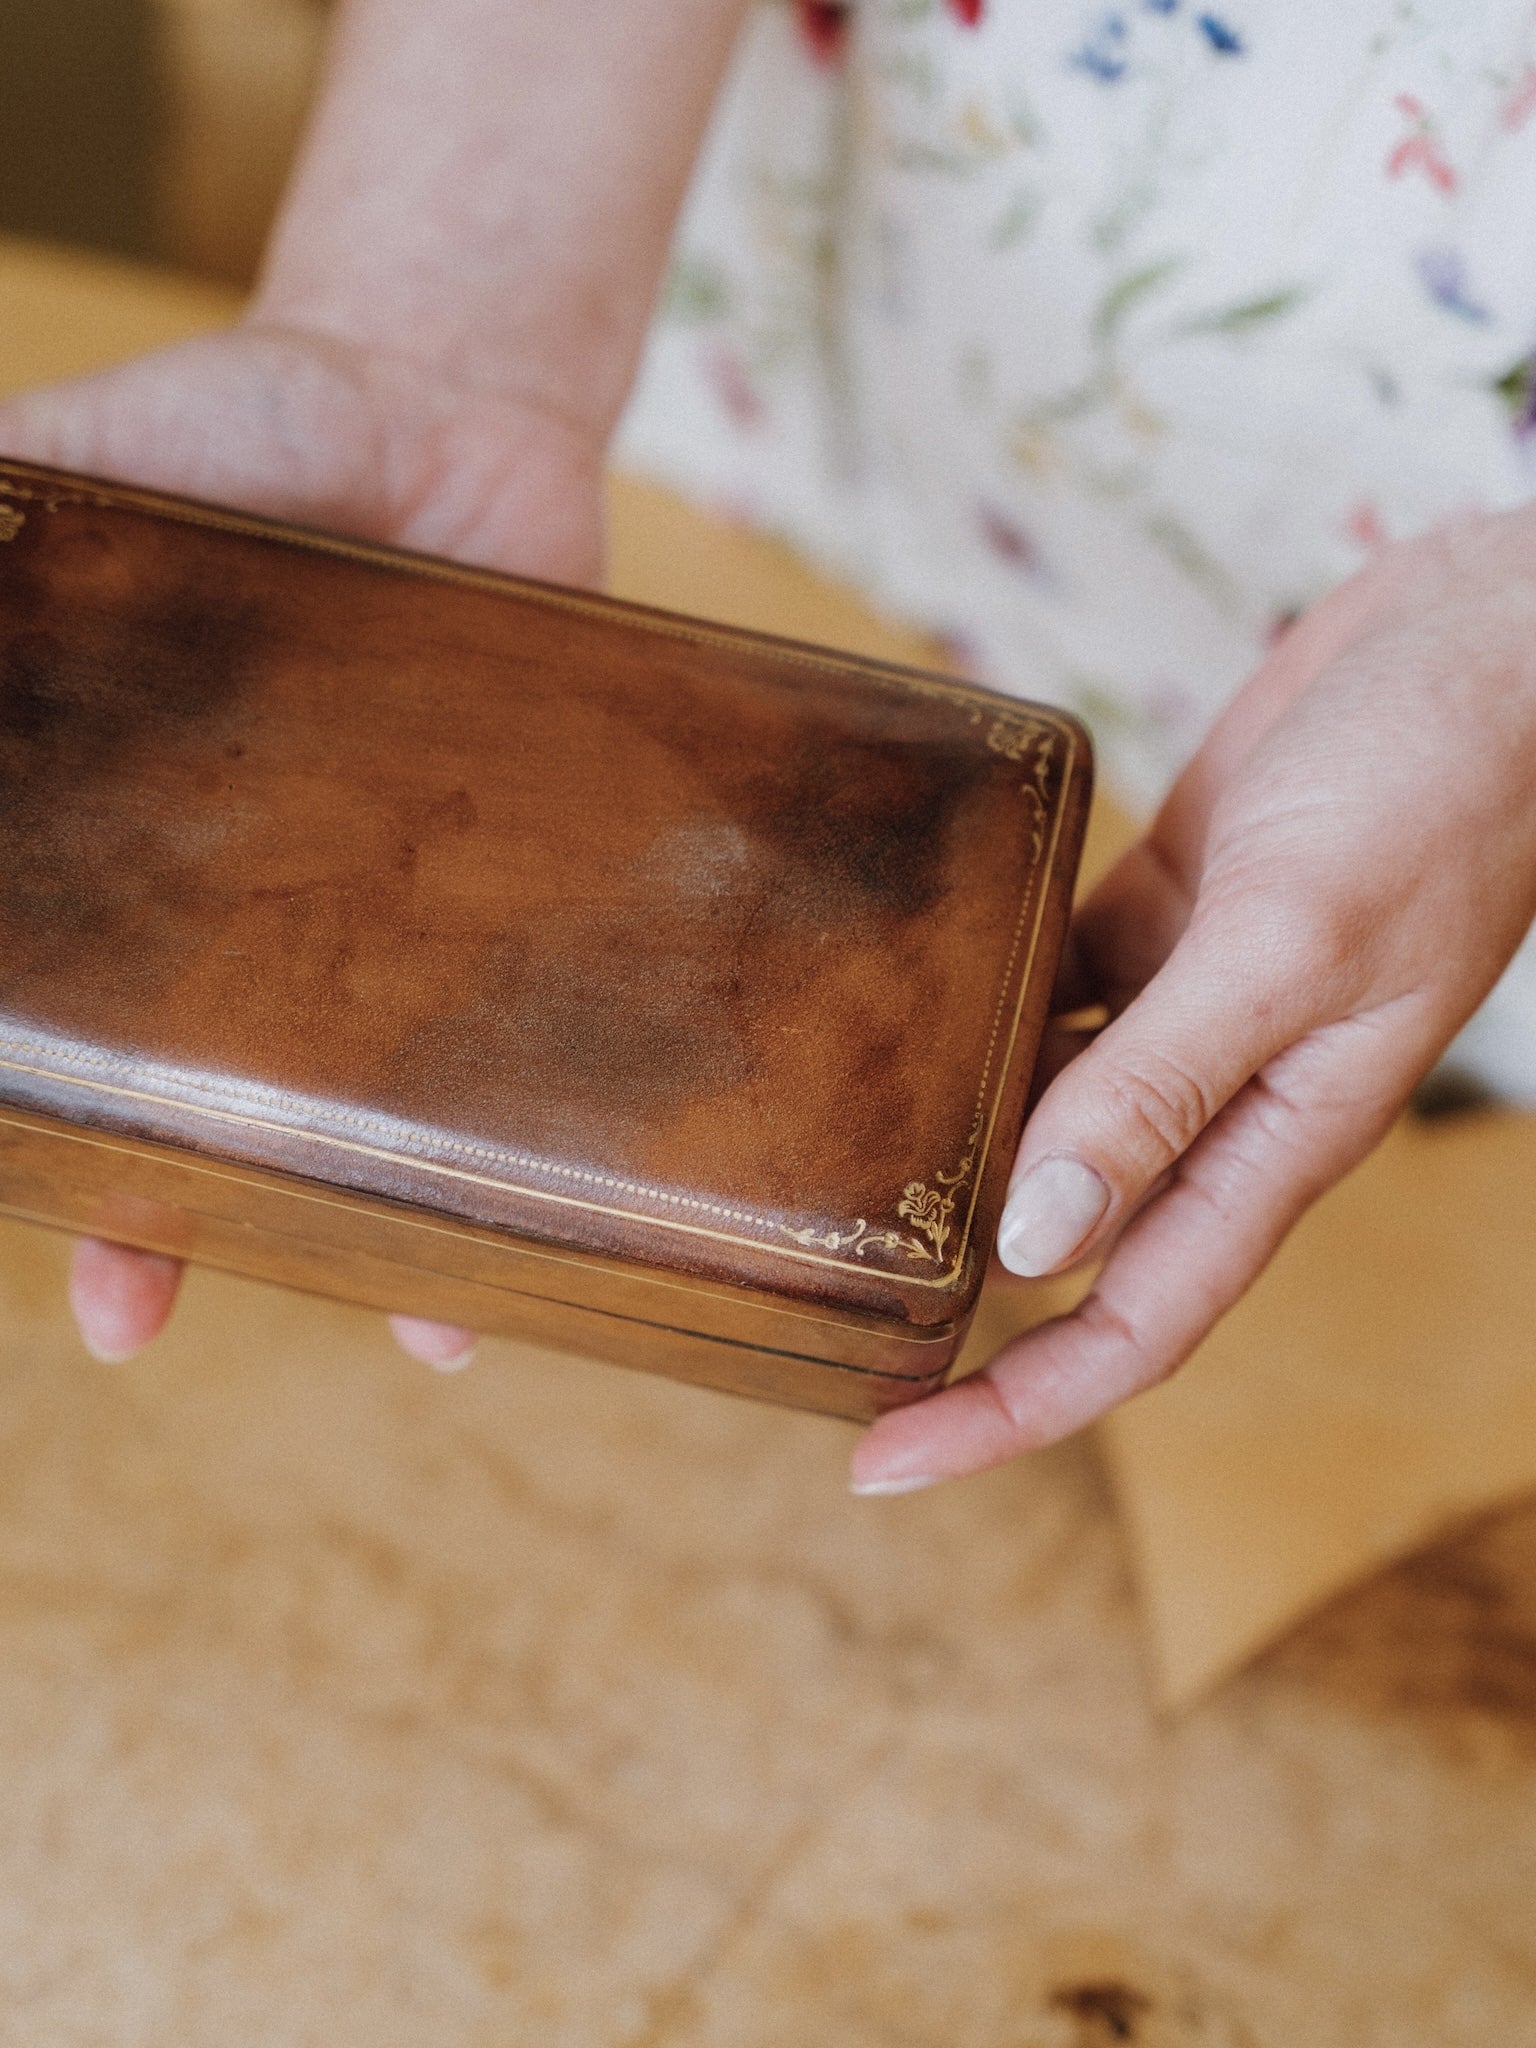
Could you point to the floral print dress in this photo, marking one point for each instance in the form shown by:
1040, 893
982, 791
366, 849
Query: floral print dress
1104, 340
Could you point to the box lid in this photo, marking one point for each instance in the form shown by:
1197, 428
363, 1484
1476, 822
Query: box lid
641, 937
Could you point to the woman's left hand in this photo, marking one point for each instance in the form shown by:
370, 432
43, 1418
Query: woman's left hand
444, 334
271, 417
1335, 883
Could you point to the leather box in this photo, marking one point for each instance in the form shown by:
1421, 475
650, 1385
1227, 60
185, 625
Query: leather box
494, 952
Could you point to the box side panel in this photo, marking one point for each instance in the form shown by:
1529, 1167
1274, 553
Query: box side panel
1016, 1094
326, 1242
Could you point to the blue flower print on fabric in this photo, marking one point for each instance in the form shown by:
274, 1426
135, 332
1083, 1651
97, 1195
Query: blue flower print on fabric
1105, 52
1225, 41
1101, 53
1443, 274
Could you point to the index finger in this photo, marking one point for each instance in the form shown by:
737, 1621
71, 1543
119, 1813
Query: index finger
1176, 1271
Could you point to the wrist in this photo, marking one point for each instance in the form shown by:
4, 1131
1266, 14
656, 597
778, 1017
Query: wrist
385, 445
570, 371
489, 186
568, 382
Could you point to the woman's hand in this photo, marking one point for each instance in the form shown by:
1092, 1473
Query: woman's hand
447, 325
1332, 888
303, 426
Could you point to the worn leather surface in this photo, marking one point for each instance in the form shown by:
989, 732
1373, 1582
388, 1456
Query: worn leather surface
662, 945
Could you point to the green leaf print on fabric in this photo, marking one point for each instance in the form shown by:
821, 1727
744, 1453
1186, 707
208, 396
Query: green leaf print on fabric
1034, 441
1192, 558
911, 70
980, 140
1246, 314
697, 289
908, 155
1017, 221
1123, 297
1517, 389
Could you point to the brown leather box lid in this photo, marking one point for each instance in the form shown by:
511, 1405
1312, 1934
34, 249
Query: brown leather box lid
630, 935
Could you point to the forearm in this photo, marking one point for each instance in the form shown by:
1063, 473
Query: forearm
490, 185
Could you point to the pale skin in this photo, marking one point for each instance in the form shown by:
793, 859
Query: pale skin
442, 340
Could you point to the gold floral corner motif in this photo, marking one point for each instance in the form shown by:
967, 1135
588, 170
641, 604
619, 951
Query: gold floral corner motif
1018, 737
12, 520
928, 1212
1030, 741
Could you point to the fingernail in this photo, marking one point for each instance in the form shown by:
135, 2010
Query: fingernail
913, 1483
101, 1333
456, 1363
442, 1346
105, 1354
1048, 1215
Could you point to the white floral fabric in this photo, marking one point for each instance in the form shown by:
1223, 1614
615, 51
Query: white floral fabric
1104, 340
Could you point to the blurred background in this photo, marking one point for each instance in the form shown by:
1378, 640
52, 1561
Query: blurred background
156, 129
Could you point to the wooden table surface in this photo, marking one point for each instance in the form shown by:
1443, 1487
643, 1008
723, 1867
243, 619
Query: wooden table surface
344, 1705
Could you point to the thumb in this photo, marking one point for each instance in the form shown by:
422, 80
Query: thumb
1230, 996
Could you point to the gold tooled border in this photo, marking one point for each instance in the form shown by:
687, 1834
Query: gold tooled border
395, 1215
52, 489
